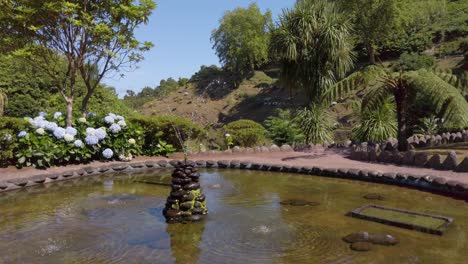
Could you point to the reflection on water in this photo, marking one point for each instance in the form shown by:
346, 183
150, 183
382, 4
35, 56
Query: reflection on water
118, 219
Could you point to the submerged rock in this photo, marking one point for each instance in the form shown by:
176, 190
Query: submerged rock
374, 196
361, 246
357, 237
296, 202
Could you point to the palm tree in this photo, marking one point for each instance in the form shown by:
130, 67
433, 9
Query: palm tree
3, 101
312, 44
440, 92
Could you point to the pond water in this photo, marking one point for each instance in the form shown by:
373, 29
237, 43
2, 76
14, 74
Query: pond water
118, 219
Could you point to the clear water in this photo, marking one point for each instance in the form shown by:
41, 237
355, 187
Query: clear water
118, 219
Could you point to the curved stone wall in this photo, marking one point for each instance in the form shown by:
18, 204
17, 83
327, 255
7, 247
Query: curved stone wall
427, 183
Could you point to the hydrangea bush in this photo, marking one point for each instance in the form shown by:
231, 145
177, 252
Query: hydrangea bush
48, 142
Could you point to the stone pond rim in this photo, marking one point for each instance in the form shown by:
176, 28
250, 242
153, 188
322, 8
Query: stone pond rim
438, 185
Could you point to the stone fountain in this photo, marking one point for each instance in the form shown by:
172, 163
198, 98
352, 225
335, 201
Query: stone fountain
186, 202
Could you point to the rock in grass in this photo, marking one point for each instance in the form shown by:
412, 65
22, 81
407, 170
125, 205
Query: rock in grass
463, 166
450, 162
434, 162
361, 246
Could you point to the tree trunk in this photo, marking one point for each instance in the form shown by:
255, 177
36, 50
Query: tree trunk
371, 53
401, 119
69, 112
84, 104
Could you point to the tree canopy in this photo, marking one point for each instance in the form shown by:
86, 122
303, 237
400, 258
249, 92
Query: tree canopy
242, 38
312, 43
68, 39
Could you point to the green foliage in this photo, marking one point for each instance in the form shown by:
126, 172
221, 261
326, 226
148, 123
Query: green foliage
282, 129
41, 146
136, 100
81, 38
164, 129
376, 124
9, 128
429, 126
246, 133
312, 44
161, 149
374, 20
415, 61
242, 38
316, 124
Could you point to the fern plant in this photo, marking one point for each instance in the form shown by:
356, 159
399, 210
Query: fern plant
377, 124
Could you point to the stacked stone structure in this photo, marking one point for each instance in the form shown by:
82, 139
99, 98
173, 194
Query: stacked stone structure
186, 202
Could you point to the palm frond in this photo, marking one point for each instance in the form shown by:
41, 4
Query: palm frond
446, 99
358, 80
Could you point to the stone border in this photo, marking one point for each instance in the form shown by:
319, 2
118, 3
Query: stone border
411, 158
426, 183
358, 213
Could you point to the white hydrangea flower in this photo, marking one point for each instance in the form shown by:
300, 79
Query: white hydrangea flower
81, 120
78, 143
122, 123
68, 138
40, 131
132, 141
100, 133
71, 130
90, 131
119, 117
109, 119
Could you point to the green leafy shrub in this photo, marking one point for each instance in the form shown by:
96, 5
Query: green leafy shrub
9, 128
316, 124
415, 61
282, 129
376, 124
246, 133
46, 142
164, 129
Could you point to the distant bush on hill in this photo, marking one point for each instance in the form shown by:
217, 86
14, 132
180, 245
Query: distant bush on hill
246, 133
414, 61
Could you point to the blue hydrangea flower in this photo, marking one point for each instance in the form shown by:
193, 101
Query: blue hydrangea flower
115, 128
91, 114
57, 115
91, 140
7, 137
112, 115
71, 130
107, 153
51, 126
109, 119
38, 122
100, 133
78, 143
59, 132
119, 117
42, 114
22, 134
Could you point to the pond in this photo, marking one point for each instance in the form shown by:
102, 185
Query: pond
118, 219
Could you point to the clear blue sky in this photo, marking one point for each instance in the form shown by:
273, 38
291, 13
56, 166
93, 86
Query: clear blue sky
180, 31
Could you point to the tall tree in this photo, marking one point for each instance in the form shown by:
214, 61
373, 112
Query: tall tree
78, 37
373, 21
242, 38
312, 43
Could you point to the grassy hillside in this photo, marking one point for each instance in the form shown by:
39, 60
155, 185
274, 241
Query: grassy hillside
212, 98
